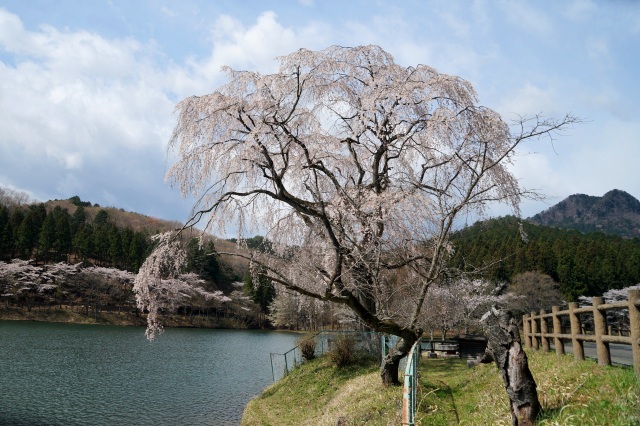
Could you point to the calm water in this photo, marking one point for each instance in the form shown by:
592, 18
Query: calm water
66, 374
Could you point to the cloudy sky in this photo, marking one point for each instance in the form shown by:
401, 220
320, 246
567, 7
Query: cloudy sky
87, 88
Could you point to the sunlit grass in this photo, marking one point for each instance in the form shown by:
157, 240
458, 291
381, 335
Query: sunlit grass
320, 394
571, 393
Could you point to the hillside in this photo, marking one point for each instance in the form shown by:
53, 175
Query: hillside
121, 218
616, 212
73, 255
583, 263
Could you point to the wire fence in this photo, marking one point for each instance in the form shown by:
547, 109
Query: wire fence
410, 392
367, 342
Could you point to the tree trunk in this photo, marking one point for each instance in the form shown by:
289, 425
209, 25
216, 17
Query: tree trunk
505, 349
391, 362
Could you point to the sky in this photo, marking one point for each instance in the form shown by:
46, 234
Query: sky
88, 87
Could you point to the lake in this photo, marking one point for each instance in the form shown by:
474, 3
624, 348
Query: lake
71, 374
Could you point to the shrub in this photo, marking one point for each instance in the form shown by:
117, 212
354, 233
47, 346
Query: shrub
343, 351
307, 345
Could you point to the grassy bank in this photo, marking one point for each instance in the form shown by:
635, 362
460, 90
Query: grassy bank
69, 315
319, 394
571, 393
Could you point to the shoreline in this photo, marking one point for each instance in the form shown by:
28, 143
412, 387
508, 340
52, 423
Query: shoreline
71, 316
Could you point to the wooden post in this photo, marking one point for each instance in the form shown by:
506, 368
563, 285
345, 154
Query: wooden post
634, 326
504, 348
526, 329
578, 347
600, 329
557, 330
534, 331
544, 330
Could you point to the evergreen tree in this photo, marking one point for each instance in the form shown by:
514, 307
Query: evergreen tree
260, 289
15, 220
137, 251
63, 242
83, 242
29, 231
6, 234
116, 253
47, 236
78, 219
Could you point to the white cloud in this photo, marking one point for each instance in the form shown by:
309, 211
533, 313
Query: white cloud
598, 49
168, 11
94, 114
257, 46
528, 100
581, 10
527, 17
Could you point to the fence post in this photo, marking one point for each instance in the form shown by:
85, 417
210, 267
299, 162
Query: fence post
273, 374
600, 329
534, 330
557, 330
634, 327
578, 347
543, 331
526, 330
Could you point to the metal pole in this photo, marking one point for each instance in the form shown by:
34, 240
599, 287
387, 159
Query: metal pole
273, 375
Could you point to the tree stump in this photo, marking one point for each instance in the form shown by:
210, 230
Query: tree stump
505, 349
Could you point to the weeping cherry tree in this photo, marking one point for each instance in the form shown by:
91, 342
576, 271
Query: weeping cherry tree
356, 169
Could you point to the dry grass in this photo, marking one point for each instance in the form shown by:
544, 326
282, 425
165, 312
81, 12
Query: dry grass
320, 394
571, 393
77, 315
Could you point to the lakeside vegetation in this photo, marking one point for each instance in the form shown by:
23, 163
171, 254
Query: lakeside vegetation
75, 316
571, 393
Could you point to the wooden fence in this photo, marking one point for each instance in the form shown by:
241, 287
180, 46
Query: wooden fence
538, 334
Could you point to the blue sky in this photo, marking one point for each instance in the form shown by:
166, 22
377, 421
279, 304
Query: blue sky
87, 88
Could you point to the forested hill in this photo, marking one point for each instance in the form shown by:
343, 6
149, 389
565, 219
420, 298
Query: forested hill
616, 212
588, 264
74, 231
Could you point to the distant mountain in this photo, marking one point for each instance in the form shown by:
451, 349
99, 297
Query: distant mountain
616, 212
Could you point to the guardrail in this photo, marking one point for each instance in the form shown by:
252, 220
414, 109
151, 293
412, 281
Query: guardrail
536, 329
411, 385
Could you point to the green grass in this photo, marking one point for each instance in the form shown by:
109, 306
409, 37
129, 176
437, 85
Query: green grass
571, 393
319, 394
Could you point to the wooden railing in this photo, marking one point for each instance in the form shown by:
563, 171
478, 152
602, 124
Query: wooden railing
538, 334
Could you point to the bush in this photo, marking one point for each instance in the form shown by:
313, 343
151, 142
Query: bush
307, 345
343, 351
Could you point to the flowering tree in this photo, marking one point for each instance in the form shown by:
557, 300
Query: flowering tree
356, 168
619, 317
460, 303
20, 280
161, 284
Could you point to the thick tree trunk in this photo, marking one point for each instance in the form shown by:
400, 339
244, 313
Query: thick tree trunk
505, 349
391, 362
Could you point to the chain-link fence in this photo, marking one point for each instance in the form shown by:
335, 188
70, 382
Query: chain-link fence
366, 342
